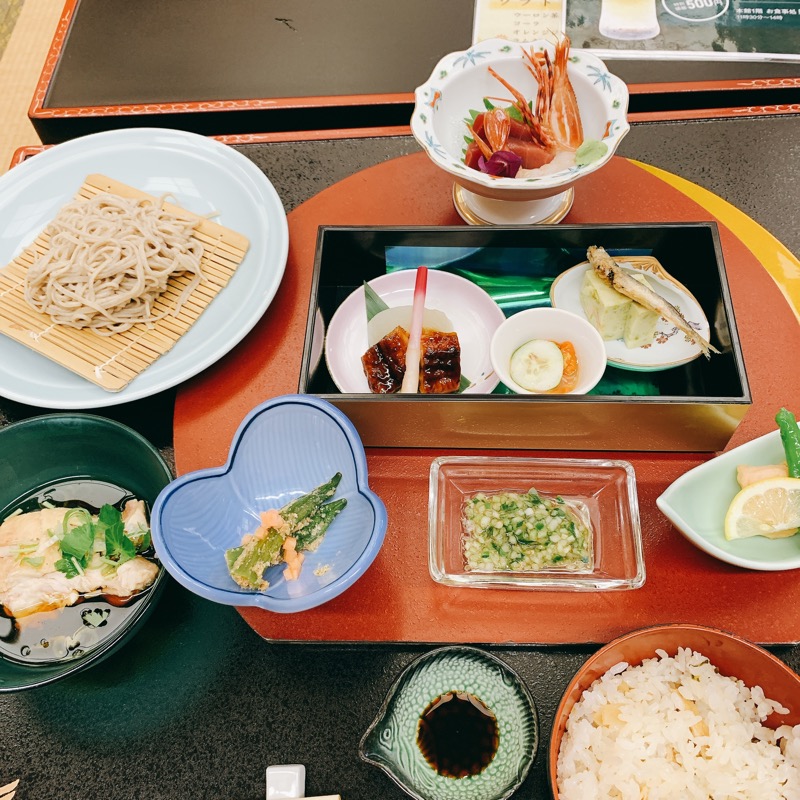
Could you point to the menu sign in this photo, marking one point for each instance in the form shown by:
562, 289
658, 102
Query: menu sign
517, 20
756, 30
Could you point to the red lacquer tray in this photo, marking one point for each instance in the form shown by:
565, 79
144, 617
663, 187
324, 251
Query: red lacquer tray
397, 600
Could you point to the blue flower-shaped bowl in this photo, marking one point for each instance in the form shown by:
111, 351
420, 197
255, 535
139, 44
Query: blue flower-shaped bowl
391, 741
283, 449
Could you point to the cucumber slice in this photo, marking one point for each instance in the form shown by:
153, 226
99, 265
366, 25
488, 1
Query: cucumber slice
538, 365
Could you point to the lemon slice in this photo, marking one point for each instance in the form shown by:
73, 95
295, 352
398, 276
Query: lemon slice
768, 508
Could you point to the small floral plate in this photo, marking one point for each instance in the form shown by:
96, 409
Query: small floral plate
671, 347
391, 741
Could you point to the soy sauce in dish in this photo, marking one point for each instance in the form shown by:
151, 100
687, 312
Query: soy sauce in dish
49, 637
458, 735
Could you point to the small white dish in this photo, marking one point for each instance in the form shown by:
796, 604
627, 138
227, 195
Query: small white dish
473, 313
671, 348
286, 781
557, 326
696, 504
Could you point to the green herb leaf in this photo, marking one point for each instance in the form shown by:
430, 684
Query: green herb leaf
119, 547
589, 152
144, 543
488, 103
67, 566
78, 542
373, 302
109, 516
515, 114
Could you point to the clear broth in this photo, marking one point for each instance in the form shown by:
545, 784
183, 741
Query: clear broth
69, 633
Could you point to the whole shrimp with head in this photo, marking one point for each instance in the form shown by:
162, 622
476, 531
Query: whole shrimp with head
616, 277
528, 135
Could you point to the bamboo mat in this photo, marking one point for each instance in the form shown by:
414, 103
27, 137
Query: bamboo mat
112, 362
20, 67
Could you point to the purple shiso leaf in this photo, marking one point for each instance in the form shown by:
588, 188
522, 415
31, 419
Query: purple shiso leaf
502, 164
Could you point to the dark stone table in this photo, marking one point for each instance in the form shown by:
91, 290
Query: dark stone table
197, 705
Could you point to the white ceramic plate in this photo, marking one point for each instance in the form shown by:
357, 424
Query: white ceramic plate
671, 348
204, 176
475, 317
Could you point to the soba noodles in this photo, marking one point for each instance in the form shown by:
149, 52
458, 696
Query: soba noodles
109, 261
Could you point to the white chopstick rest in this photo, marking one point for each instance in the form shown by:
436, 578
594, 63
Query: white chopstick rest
286, 782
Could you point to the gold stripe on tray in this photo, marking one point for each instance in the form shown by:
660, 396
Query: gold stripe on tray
112, 362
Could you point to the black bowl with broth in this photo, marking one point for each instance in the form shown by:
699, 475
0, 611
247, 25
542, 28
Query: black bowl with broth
74, 460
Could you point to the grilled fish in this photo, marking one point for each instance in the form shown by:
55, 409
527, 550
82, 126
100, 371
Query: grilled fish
618, 279
440, 362
385, 362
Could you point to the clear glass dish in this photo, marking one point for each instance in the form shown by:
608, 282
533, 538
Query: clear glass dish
604, 490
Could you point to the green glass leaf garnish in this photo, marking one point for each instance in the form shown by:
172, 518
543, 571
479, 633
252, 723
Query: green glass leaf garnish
590, 151
373, 302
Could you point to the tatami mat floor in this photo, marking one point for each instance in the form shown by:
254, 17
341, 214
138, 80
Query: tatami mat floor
26, 30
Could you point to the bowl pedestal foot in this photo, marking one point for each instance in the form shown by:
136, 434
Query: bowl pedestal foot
477, 210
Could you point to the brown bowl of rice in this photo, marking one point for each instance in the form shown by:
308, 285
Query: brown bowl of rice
678, 711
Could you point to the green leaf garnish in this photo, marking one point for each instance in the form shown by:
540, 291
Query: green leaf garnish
488, 103
515, 114
119, 548
67, 566
78, 542
373, 302
590, 151
33, 561
144, 542
109, 516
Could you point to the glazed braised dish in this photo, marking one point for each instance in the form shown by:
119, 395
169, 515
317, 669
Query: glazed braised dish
421, 354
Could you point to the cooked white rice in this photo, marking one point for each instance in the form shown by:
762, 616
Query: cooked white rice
675, 729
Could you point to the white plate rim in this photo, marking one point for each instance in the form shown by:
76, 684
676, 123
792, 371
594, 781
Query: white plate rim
265, 261
490, 380
652, 366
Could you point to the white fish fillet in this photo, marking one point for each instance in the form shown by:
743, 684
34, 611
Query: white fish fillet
27, 589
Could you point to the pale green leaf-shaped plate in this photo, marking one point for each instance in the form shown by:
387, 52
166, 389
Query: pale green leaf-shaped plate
696, 504
391, 741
